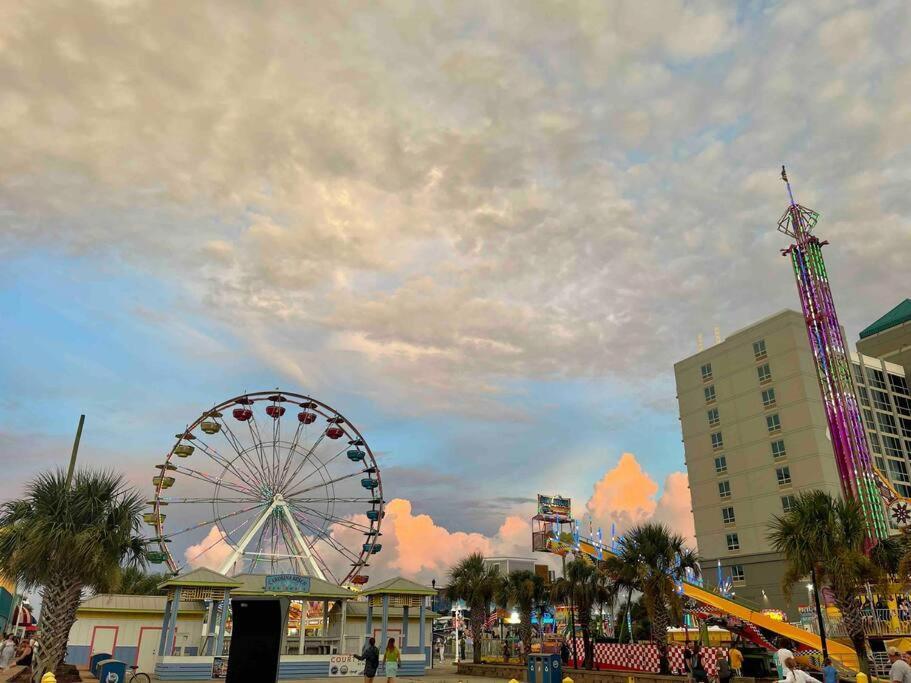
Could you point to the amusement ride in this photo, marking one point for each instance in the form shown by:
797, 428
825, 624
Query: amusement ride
289, 484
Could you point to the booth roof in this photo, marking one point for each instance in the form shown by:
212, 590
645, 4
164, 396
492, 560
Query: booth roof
107, 602
203, 578
359, 609
399, 586
255, 584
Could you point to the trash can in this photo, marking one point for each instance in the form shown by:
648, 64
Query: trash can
95, 658
112, 671
532, 673
551, 669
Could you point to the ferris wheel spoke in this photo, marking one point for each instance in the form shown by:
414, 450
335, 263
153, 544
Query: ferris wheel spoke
322, 466
335, 499
260, 447
184, 501
322, 484
236, 444
215, 520
259, 548
221, 460
306, 457
322, 535
208, 548
202, 476
350, 523
292, 449
316, 557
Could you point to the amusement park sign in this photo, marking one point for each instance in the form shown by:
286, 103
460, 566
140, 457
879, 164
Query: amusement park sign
554, 508
287, 583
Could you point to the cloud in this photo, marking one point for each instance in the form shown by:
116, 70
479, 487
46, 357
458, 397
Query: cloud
210, 552
626, 496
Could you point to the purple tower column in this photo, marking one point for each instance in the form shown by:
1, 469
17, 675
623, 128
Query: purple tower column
830, 352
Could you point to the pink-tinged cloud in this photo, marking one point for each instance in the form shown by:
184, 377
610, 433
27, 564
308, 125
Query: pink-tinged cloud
626, 496
210, 552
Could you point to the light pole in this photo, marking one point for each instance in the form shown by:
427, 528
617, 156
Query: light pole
812, 587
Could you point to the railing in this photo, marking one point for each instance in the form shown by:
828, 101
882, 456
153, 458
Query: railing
880, 622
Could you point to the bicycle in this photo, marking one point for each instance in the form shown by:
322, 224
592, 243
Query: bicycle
137, 677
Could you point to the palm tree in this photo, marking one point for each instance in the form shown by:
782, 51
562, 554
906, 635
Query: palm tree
625, 577
134, 581
65, 538
585, 585
476, 583
525, 591
823, 537
659, 559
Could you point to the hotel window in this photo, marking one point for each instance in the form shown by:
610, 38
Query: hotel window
868, 419
893, 446
877, 379
783, 474
787, 503
738, 576
765, 373
864, 396
874, 443
902, 405
724, 489
898, 472
880, 463
773, 423
709, 392
886, 423
858, 373
717, 441
906, 426
714, 417
778, 449
733, 542
899, 385
768, 398
759, 352
727, 516
706, 372
881, 400
721, 464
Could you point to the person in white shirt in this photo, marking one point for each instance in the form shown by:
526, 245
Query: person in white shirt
781, 656
795, 675
900, 671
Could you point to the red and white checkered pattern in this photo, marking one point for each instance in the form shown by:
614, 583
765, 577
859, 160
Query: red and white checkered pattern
644, 657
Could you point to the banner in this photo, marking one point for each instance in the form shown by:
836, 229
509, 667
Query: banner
345, 665
554, 508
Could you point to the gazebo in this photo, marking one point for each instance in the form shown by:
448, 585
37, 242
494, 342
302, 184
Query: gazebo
399, 592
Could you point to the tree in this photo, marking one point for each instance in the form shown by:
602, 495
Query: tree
659, 559
66, 538
626, 578
525, 591
476, 583
585, 585
824, 537
641, 626
134, 581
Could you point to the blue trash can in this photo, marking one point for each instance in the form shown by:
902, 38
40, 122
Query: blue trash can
551, 669
95, 659
530, 664
112, 671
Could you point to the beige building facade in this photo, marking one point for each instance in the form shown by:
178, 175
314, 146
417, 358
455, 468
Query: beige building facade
755, 435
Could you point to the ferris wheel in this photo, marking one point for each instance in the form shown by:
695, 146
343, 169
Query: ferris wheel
269, 481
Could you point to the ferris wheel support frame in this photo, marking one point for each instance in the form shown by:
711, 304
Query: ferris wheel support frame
278, 503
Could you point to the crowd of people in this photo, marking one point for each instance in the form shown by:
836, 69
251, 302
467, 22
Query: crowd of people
15, 651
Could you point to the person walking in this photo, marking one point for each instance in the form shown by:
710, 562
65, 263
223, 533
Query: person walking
736, 659
829, 672
7, 651
391, 659
900, 671
371, 658
782, 655
724, 670
795, 675
25, 654
564, 652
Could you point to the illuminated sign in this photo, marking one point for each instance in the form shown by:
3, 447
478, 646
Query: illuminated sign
554, 508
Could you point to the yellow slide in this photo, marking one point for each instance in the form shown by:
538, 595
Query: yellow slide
837, 651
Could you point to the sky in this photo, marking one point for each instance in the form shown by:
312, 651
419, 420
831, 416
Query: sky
483, 232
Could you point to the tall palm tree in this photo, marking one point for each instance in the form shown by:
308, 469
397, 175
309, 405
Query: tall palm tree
625, 577
134, 581
659, 559
66, 538
525, 591
823, 537
476, 583
585, 585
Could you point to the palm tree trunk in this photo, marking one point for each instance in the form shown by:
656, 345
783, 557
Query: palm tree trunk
526, 630
852, 618
658, 616
585, 622
60, 599
477, 628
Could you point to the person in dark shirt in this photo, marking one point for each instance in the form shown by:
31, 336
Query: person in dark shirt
371, 658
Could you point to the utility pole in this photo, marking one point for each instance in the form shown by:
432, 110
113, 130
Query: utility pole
819, 619
69, 473
572, 618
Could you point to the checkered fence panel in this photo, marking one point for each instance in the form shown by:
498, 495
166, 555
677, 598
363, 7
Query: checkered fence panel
644, 656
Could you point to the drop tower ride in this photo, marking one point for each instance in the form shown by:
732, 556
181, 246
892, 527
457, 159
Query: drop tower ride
852, 456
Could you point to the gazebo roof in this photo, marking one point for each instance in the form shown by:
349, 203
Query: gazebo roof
255, 584
202, 578
399, 586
